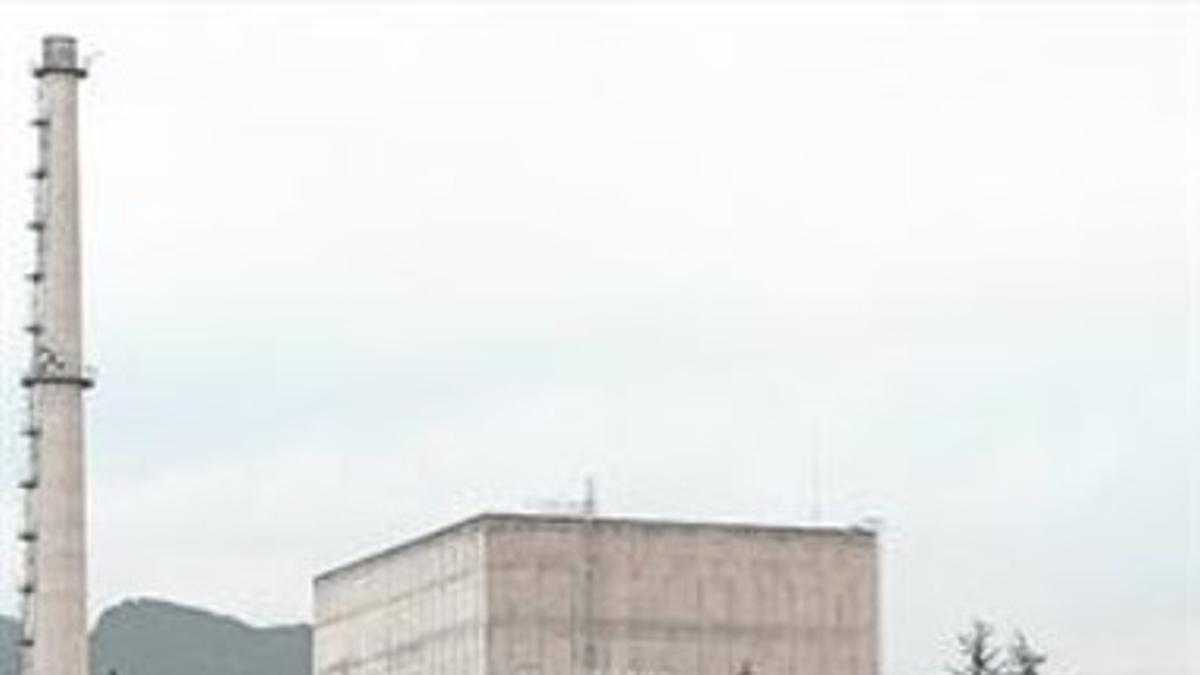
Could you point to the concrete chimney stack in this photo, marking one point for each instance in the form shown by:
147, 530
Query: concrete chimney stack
54, 589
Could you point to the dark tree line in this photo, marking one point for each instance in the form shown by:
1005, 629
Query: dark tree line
979, 654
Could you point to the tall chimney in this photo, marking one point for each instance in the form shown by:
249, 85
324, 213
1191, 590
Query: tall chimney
54, 589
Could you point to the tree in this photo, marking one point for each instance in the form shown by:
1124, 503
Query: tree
1023, 659
979, 655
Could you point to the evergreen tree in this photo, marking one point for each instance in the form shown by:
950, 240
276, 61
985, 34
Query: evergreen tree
1023, 659
979, 656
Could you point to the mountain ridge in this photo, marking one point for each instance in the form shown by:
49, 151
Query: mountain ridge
152, 636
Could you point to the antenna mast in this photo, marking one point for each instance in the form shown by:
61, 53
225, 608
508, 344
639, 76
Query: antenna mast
817, 497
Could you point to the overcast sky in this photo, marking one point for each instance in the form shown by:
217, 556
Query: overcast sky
354, 273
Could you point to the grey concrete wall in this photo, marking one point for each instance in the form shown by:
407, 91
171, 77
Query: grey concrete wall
417, 611
561, 596
675, 599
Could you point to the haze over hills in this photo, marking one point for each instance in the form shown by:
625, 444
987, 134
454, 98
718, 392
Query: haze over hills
153, 637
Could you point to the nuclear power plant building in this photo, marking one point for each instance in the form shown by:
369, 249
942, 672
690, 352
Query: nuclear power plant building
575, 595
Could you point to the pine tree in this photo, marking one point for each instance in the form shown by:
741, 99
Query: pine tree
979, 656
1023, 659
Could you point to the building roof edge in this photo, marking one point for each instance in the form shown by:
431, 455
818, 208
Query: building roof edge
489, 517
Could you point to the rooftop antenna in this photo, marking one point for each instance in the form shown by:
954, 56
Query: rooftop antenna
589, 505
815, 495
586, 506
870, 524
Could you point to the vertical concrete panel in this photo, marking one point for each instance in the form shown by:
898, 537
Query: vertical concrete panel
411, 611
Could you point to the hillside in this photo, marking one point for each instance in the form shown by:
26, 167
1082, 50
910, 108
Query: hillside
10, 632
151, 637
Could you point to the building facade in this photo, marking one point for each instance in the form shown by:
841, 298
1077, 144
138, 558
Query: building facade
554, 595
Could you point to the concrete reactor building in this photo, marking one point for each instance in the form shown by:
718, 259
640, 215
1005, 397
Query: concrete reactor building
581, 595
